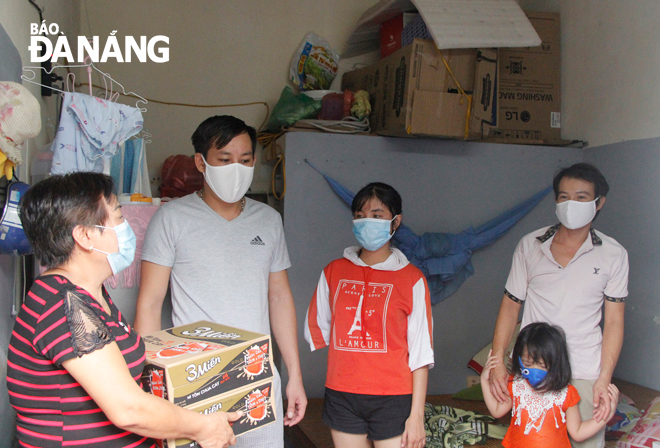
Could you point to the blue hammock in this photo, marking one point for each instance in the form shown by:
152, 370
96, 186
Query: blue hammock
446, 258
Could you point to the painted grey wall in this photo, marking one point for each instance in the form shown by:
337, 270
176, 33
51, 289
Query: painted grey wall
446, 186
631, 216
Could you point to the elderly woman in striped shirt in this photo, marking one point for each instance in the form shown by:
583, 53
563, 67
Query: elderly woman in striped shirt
74, 364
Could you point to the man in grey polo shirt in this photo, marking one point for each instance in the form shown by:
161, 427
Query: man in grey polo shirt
225, 258
564, 274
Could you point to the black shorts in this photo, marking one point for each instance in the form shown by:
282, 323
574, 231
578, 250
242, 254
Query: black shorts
380, 417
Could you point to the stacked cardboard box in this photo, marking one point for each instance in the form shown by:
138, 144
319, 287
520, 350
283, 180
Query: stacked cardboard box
207, 367
529, 93
516, 94
416, 91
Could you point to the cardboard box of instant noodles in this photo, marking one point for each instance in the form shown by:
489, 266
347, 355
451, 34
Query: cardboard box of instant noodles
200, 361
256, 403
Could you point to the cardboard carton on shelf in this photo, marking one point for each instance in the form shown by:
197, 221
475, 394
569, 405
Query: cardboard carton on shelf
415, 91
529, 92
199, 361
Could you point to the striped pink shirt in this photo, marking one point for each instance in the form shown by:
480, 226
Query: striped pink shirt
53, 410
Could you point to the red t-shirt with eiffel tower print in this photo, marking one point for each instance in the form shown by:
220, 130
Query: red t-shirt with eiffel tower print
376, 321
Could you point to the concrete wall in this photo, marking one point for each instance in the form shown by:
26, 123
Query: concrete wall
446, 186
609, 63
221, 52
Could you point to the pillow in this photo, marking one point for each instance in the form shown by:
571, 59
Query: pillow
624, 419
646, 432
471, 393
479, 360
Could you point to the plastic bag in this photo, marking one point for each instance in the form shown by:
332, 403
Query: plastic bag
361, 106
290, 108
180, 177
314, 65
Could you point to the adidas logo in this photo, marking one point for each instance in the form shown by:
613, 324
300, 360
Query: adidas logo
257, 242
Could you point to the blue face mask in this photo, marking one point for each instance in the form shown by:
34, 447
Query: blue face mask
533, 376
126, 240
371, 233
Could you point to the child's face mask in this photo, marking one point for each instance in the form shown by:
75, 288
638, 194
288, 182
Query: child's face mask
532, 375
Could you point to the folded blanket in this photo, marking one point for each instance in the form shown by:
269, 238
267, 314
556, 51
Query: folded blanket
448, 427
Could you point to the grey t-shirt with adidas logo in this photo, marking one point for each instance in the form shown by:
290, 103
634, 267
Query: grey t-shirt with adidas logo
220, 268
220, 273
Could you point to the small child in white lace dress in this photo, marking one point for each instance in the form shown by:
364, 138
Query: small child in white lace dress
544, 404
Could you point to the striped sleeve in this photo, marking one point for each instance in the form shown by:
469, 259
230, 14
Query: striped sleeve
420, 328
68, 328
52, 337
319, 316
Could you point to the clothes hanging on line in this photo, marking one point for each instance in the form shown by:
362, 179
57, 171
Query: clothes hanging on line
90, 130
128, 168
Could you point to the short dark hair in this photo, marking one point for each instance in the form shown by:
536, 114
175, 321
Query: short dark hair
547, 343
218, 131
383, 192
52, 208
585, 172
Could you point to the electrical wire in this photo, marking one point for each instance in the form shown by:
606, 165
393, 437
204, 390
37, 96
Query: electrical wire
347, 125
41, 10
280, 161
205, 106
273, 152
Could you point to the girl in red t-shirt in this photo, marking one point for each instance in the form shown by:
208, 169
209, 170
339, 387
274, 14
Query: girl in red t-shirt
544, 403
372, 309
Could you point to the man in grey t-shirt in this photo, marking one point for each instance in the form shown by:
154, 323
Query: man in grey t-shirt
225, 257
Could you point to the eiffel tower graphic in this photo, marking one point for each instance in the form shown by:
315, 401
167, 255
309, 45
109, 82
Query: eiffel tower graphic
357, 322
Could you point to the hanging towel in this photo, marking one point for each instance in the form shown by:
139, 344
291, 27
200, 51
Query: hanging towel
128, 166
91, 129
129, 170
140, 177
446, 258
117, 168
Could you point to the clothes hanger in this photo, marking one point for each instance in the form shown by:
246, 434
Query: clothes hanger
144, 135
30, 76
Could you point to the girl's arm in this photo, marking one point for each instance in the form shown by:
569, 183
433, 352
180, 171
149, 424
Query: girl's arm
580, 430
414, 435
496, 408
318, 318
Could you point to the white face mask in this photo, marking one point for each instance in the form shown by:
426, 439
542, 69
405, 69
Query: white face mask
576, 214
229, 182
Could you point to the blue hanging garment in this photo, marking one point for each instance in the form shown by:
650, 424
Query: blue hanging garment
128, 168
446, 258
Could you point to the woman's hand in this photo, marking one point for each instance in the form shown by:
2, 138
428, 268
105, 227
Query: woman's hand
218, 433
414, 435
